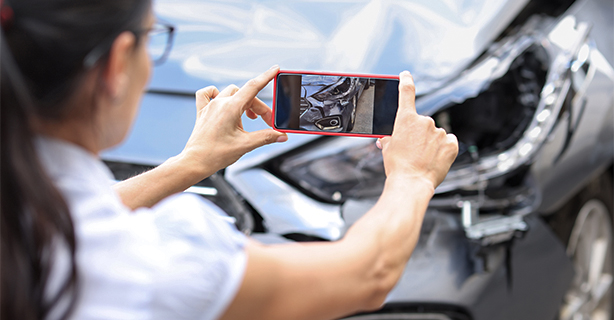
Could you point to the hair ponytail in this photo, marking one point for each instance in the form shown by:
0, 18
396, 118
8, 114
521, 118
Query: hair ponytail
33, 213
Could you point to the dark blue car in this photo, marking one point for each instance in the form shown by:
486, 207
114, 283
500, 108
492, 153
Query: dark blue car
521, 228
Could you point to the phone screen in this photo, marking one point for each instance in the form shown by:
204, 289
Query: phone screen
336, 104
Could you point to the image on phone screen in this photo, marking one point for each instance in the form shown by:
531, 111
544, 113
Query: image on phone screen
336, 104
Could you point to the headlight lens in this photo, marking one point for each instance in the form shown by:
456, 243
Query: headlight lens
335, 169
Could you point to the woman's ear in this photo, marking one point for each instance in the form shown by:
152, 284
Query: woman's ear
116, 71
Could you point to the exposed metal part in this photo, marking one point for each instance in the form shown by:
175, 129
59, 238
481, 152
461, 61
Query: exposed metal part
469, 214
493, 230
496, 229
489, 231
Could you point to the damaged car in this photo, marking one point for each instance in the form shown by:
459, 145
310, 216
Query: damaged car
329, 103
521, 228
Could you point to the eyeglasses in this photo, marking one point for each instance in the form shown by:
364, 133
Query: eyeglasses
160, 41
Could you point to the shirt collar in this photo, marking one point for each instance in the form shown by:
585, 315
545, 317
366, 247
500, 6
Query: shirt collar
64, 159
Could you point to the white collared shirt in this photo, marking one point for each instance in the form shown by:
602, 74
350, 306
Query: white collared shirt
181, 259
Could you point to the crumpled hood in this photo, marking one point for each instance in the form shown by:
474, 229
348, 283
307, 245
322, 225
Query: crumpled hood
228, 42
224, 42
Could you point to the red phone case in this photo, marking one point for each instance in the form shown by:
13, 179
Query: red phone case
326, 74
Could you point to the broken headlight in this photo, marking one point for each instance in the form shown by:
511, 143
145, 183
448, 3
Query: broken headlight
502, 128
492, 124
340, 90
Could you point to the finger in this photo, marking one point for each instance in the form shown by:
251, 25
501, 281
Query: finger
229, 91
253, 86
250, 114
407, 93
453, 141
440, 131
205, 95
263, 137
260, 108
268, 118
382, 142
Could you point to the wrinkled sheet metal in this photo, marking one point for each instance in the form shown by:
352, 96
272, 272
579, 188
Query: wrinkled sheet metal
221, 42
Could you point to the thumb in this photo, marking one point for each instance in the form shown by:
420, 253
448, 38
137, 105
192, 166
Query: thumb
382, 142
263, 137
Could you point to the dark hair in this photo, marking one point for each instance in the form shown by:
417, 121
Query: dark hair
43, 47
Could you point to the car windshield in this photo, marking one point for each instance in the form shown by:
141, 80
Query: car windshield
225, 42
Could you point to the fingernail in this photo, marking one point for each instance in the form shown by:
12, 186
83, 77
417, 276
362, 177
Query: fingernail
283, 138
405, 73
274, 67
378, 144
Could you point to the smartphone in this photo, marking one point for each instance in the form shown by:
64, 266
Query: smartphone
335, 103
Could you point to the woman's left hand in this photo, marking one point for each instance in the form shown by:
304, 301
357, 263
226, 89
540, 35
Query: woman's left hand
218, 138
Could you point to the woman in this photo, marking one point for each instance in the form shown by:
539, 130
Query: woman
73, 73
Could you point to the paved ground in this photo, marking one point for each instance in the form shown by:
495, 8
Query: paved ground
364, 112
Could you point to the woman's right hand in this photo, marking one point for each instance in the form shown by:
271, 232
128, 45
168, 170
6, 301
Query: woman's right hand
218, 138
416, 149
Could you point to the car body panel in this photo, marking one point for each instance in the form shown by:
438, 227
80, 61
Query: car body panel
562, 170
213, 38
